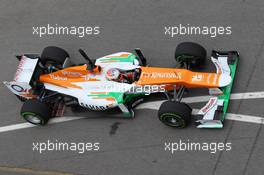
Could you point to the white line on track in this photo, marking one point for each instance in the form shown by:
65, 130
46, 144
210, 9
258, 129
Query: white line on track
155, 105
236, 96
28, 125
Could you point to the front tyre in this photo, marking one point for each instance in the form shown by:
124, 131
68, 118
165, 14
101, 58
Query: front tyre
175, 114
191, 53
35, 112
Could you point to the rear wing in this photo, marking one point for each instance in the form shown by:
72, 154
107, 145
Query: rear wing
212, 115
21, 84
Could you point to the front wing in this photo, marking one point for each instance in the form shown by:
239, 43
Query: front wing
213, 114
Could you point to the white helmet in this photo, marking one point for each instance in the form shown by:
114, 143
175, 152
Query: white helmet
112, 74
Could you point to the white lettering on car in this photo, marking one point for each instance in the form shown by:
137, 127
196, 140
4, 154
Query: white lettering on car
55, 77
94, 107
154, 75
209, 105
19, 68
197, 77
71, 73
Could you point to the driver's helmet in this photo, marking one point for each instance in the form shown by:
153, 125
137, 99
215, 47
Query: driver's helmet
113, 74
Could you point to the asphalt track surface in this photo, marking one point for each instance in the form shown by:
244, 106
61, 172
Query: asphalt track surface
134, 146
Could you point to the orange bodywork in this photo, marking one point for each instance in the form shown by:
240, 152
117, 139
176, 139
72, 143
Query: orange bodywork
171, 76
149, 76
67, 76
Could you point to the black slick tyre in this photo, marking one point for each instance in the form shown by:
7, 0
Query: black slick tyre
54, 54
190, 53
35, 112
175, 114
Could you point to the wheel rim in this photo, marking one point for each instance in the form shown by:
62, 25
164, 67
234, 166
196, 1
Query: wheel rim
32, 118
173, 120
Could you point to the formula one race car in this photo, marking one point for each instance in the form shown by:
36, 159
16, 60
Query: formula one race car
49, 82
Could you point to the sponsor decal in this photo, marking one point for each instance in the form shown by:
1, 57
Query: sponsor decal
89, 77
56, 77
197, 77
76, 74
154, 75
95, 107
18, 88
19, 68
209, 105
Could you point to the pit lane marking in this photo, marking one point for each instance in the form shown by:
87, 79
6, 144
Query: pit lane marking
155, 105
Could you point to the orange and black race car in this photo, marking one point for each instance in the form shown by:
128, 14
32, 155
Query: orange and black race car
48, 82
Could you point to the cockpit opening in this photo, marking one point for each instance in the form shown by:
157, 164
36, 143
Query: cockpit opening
123, 76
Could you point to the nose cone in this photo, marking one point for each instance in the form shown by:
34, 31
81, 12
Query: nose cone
224, 80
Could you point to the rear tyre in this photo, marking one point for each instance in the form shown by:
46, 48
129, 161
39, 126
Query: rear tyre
54, 55
35, 112
191, 53
175, 114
